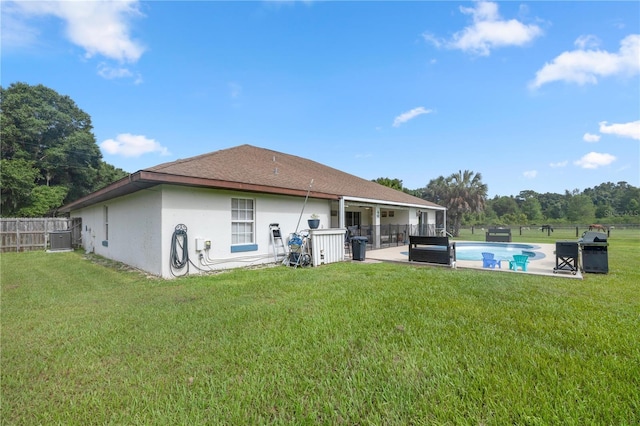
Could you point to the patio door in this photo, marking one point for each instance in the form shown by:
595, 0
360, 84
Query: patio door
353, 219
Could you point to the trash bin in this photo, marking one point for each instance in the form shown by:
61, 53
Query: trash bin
358, 248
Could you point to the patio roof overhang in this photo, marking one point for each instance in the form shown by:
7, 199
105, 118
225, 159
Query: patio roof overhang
369, 201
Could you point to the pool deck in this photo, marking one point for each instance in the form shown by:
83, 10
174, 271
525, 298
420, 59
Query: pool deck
542, 266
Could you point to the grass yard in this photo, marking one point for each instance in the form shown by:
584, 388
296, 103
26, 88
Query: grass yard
88, 343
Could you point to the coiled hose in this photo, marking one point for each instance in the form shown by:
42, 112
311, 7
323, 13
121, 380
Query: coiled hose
179, 242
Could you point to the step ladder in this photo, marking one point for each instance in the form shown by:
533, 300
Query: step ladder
279, 249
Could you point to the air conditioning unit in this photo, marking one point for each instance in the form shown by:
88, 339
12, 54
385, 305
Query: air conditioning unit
60, 240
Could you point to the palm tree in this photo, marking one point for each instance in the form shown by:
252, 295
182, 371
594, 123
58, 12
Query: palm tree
460, 193
437, 192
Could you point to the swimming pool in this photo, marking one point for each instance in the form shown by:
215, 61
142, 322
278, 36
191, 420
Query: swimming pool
473, 250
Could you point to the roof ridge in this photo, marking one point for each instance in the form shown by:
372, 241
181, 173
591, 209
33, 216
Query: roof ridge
194, 158
252, 165
250, 168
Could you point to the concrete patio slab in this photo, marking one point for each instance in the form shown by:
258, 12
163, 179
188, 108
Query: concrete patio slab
542, 266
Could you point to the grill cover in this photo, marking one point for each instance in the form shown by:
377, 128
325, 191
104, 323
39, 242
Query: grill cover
593, 237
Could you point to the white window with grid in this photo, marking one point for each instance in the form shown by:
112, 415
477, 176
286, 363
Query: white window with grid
242, 221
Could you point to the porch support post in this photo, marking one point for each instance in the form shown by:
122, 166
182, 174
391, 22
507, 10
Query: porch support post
445, 222
341, 213
376, 226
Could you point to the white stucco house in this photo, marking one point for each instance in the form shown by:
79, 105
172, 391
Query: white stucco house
230, 198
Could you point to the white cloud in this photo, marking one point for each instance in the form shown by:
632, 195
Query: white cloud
129, 145
559, 164
625, 130
109, 73
489, 31
16, 33
409, 115
235, 90
530, 174
99, 27
587, 41
585, 66
430, 38
593, 160
590, 137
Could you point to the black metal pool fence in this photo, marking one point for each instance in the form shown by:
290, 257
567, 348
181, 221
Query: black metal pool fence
550, 229
398, 234
392, 235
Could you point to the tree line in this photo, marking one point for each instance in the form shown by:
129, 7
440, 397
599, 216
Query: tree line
608, 203
465, 196
49, 153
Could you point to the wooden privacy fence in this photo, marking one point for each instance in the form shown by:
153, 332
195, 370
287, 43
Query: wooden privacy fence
27, 234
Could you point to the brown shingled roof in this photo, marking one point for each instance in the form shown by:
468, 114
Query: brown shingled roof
250, 168
258, 166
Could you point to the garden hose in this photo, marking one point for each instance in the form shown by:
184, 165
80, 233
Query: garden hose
179, 242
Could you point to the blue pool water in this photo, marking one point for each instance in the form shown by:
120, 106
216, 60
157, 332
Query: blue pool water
502, 251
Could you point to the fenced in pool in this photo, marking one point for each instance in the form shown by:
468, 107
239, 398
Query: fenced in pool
472, 250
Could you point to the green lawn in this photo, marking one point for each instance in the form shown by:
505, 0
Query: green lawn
87, 343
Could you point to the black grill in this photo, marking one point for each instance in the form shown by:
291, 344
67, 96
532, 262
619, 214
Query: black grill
594, 252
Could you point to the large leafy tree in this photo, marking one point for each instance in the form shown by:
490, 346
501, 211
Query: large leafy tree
580, 208
554, 206
106, 175
391, 183
396, 184
611, 199
628, 203
46, 141
17, 180
529, 205
461, 193
504, 205
531, 208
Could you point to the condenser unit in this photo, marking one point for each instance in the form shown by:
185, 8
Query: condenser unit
60, 240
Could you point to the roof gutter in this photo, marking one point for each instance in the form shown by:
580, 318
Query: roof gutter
394, 203
146, 179
162, 178
119, 188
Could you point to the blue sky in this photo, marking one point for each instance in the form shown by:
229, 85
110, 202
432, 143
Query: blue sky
541, 96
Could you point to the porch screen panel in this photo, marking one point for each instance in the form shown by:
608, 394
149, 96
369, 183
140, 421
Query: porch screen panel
242, 221
353, 219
